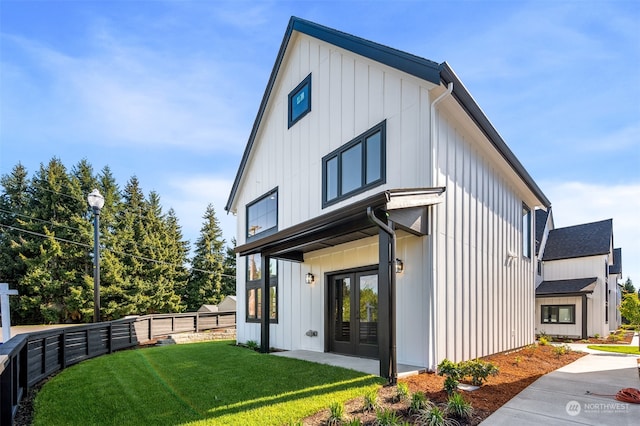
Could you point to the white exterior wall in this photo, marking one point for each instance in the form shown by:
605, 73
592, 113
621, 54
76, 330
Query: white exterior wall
615, 298
584, 267
564, 330
481, 305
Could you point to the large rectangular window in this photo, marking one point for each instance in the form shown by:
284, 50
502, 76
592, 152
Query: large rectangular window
526, 231
300, 101
558, 314
262, 215
254, 292
355, 166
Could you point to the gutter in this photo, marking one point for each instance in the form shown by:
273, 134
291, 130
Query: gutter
393, 361
432, 338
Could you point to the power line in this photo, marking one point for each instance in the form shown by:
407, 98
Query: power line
161, 262
40, 220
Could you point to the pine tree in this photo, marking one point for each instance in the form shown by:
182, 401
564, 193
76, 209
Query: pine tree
229, 277
205, 283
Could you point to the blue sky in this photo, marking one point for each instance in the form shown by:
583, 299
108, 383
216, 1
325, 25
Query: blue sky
168, 90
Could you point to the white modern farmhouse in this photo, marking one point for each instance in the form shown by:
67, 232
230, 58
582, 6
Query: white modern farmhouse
380, 214
579, 292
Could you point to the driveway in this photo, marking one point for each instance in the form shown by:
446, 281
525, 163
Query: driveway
581, 393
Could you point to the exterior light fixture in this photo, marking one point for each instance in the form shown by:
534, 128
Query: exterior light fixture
96, 202
309, 278
399, 266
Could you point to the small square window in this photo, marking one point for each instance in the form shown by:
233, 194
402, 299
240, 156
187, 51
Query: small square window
300, 101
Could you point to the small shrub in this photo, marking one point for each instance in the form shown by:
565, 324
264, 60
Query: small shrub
353, 422
614, 338
561, 350
402, 392
453, 373
419, 402
517, 360
450, 385
458, 407
543, 341
434, 416
596, 336
479, 371
252, 344
371, 400
336, 415
387, 417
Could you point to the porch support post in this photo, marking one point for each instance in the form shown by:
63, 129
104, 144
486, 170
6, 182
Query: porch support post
264, 314
584, 317
386, 321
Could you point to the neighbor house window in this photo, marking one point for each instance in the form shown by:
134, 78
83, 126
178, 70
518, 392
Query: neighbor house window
526, 231
355, 166
254, 292
262, 215
558, 314
300, 101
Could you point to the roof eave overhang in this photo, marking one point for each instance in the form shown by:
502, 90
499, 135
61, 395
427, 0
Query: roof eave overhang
577, 293
466, 101
341, 225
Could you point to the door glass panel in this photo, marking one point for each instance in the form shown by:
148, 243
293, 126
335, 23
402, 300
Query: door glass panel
342, 312
368, 314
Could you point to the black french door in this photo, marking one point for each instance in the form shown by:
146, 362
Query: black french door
353, 313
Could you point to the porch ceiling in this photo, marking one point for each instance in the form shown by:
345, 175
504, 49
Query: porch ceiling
348, 223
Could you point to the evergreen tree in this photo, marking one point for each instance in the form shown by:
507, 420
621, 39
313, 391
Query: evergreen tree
14, 203
229, 271
628, 286
205, 283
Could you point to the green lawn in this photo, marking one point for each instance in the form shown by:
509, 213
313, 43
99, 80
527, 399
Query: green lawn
196, 384
624, 349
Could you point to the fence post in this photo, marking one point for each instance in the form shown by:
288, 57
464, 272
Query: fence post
197, 322
6, 312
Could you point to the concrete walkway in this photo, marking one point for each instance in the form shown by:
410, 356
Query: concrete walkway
567, 396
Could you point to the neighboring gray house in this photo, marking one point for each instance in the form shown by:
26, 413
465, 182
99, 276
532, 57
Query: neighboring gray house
379, 212
574, 298
227, 304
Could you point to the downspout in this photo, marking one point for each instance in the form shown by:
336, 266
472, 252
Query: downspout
393, 374
433, 341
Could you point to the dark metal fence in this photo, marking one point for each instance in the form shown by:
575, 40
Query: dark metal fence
27, 359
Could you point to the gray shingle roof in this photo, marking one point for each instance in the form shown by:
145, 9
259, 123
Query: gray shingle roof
588, 239
561, 287
541, 222
616, 268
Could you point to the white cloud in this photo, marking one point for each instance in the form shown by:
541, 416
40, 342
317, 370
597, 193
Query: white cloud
575, 203
189, 197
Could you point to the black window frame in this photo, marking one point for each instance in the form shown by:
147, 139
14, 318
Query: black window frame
526, 232
557, 309
337, 154
267, 231
291, 120
254, 286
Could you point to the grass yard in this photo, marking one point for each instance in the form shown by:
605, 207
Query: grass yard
213, 383
623, 349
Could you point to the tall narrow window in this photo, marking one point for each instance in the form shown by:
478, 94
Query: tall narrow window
262, 215
526, 231
254, 291
300, 101
355, 167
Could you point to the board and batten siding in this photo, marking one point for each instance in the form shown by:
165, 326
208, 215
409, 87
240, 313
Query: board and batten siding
483, 302
569, 330
343, 107
585, 267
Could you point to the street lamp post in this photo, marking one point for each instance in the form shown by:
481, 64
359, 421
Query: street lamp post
96, 202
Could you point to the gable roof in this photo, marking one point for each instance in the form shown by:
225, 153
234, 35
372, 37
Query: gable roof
588, 239
565, 287
403, 61
616, 268
541, 223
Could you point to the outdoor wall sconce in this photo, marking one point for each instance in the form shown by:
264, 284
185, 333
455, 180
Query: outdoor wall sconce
399, 266
309, 278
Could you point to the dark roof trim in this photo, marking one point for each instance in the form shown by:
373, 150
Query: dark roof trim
466, 101
573, 287
616, 268
403, 61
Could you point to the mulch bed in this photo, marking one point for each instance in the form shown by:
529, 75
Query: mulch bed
518, 370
